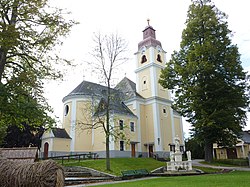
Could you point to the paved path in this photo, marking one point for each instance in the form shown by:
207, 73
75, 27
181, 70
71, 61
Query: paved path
113, 182
197, 163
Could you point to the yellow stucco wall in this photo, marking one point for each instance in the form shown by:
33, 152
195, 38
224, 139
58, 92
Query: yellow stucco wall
221, 153
83, 132
145, 89
99, 140
166, 127
61, 145
163, 93
147, 126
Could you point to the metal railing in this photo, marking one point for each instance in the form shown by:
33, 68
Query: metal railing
75, 157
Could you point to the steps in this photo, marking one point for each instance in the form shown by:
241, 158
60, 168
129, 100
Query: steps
81, 175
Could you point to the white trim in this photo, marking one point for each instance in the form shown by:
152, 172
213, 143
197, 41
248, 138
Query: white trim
73, 125
157, 131
80, 97
138, 111
111, 138
172, 124
153, 83
152, 54
181, 127
137, 75
150, 64
153, 74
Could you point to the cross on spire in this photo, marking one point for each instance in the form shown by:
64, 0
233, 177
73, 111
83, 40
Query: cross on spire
148, 20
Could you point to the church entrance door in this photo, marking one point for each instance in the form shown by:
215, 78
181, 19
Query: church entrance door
133, 150
46, 150
150, 150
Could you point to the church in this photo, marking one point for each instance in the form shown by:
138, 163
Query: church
142, 111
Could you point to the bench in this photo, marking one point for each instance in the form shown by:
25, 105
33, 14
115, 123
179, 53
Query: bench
135, 173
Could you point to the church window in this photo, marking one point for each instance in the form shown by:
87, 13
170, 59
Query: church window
143, 59
66, 110
121, 145
121, 124
144, 83
159, 58
132, 126
165, 111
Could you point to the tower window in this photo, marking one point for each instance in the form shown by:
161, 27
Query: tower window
144, 83
164, 111
159, 58
143, 59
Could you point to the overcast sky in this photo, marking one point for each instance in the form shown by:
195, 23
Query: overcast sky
128, 18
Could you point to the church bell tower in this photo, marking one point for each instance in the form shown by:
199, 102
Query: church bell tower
150, 60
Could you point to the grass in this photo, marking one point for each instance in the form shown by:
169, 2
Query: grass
206, 169
228, 162
119, 164
237, 178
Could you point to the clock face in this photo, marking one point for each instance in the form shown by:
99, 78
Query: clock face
159, 48
143, 49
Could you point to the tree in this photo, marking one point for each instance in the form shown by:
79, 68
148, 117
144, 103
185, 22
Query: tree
25, 137
196, 147
29, 31
108, 53
209, 82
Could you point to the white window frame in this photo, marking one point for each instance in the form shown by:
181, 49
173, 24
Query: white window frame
130, 126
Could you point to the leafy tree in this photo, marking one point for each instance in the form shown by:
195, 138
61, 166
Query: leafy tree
23, 137
29, 31
208, 78
196, 147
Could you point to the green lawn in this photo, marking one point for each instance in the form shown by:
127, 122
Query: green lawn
233, 179
119, 164
229, 162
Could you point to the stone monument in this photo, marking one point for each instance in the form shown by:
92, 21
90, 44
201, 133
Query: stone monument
176, 163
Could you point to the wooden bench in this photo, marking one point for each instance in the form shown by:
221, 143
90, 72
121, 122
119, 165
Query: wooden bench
135, 173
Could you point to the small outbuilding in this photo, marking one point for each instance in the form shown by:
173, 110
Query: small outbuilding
23, 154
55, 142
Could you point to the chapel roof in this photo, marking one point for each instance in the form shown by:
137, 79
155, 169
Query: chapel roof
60, 133
246, 137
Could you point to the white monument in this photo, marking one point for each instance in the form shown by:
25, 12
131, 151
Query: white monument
176, 162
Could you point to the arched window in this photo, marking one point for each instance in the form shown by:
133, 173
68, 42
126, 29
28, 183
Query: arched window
143, 59
159, 58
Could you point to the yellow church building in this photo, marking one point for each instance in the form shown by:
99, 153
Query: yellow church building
141, 110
